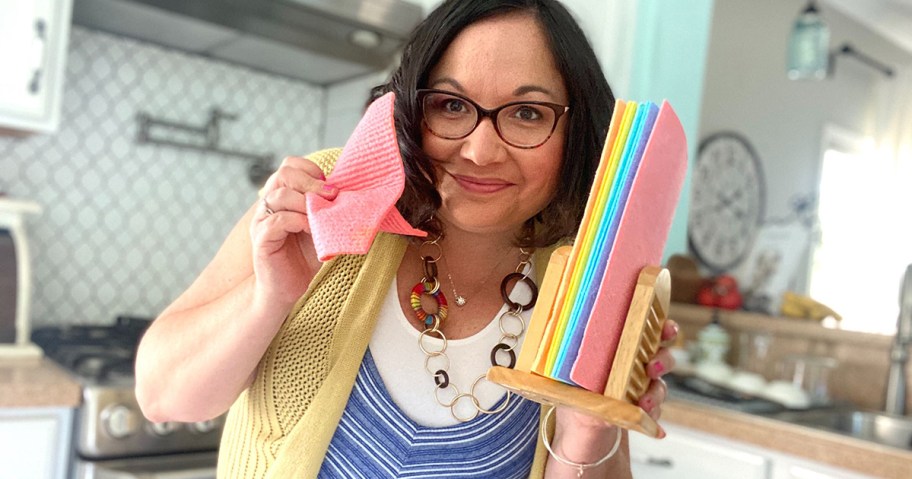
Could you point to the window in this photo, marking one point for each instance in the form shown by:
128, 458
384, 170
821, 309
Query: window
865, 242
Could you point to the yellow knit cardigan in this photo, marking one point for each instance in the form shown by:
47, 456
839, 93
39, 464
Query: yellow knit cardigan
281, 426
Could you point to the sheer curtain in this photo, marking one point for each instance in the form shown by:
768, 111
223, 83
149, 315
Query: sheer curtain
893, 135
891, 129
891, 122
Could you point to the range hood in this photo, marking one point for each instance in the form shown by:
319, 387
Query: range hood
318, 41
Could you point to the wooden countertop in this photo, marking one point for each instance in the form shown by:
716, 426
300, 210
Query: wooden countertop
36, 382
812, 444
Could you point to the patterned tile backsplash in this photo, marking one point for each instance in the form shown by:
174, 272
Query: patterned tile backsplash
126, 226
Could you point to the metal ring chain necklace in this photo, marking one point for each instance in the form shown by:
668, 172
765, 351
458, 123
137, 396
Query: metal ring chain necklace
508, 321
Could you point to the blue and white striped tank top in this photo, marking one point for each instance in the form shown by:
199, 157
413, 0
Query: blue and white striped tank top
375, 439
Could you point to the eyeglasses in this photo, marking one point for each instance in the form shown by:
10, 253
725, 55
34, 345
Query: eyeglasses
523, 124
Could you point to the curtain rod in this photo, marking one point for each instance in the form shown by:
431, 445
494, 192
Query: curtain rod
847, 49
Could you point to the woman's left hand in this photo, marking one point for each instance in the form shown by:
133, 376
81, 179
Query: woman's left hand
660, 364
586, 439
651, 401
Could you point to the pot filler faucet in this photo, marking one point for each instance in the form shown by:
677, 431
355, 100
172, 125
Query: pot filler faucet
899, 354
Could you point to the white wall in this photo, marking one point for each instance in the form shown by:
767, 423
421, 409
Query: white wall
345, 103
747, 90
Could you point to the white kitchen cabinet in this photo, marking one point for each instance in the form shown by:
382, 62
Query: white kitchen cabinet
35, 442
688, 453
794, 468
33, 47
685, 453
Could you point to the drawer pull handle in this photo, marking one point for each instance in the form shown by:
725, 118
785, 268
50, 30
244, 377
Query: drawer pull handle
664, 462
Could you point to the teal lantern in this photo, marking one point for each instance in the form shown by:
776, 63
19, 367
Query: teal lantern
809, 46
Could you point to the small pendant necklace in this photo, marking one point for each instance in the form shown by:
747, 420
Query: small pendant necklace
459, 299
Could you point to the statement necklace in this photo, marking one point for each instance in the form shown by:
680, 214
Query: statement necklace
509, 321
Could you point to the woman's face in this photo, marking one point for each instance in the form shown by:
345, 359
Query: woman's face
486, 185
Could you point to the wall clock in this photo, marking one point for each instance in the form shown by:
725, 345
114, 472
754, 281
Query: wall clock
728, 195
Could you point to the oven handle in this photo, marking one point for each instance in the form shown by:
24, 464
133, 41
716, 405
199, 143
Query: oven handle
176, 466
201, 473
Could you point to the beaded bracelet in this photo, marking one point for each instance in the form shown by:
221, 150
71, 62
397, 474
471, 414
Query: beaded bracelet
581, 467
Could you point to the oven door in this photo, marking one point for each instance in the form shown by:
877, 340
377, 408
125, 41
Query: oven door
169, 466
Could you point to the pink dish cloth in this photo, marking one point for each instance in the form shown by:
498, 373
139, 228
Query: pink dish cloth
370, 179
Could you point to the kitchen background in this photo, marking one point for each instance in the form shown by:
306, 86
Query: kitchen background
127, 226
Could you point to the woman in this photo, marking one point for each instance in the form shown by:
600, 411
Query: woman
351, 383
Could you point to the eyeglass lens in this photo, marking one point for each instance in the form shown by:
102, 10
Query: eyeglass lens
519, 124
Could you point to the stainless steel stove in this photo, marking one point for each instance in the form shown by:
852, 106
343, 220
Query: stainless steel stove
111, 438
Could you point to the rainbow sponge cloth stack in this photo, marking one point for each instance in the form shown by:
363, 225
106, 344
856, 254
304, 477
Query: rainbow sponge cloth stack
592, 289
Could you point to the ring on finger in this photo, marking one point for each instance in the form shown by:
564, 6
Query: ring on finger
269, 211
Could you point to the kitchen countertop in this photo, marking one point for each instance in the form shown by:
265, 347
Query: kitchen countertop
812, 444
36, 382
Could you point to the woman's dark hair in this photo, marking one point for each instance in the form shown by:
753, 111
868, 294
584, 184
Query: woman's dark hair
590, 98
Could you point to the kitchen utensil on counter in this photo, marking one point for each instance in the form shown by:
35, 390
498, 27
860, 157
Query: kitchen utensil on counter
895, 402
720, 292
15, 279
714, 342
699, 390
747, 382
682, 359
753, 352
714, 371
685, 278
800, 306
8, 272
810, 373
788, 394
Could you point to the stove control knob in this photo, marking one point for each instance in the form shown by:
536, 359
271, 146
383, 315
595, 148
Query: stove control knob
119, 421
163, 428
203, 427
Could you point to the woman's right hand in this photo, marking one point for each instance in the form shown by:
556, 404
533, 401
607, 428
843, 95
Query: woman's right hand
284, 258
